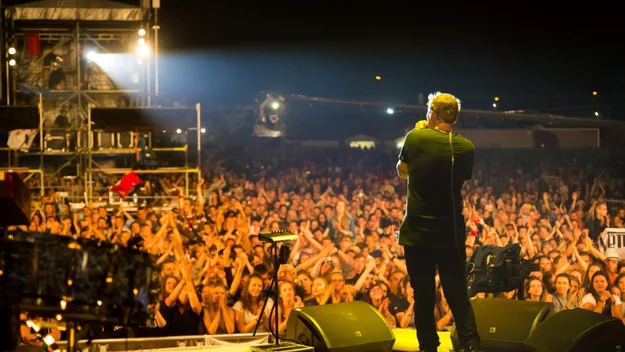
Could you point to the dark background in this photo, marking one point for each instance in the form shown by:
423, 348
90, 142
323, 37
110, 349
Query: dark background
228, 52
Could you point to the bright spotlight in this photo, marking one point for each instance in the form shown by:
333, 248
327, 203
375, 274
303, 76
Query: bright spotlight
141, 41
31, 324
596, 113
49, 340
12, 51
143, 51
179, 131
92, 55
203, 130
390, 111
142, 32
12, 62
275, 105
494, 105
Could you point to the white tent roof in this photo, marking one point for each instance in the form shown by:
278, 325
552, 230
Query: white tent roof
76, 10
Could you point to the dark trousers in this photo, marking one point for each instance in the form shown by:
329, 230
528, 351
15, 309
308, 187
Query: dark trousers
422, 264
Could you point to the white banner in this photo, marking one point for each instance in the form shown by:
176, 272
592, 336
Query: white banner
612, 239
21, 139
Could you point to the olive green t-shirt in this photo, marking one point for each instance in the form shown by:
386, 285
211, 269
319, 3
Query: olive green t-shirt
434, 210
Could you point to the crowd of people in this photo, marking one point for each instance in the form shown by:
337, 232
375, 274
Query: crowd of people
346, 209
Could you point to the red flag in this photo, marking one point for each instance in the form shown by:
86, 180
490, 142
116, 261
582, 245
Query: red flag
33, 46
125, 184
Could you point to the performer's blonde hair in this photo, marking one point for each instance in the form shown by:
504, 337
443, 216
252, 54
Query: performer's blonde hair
446, 106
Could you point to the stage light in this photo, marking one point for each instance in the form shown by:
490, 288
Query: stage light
275, 105
12, 51
494, 105
141, 41
203, 130
31, 324
378, 78
596, 113
12, 62
390, 111
143, 51
496, 98
594, 93
179, 131
142, 32
92, 55
49, 340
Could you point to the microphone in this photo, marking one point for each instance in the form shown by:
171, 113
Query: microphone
421, 125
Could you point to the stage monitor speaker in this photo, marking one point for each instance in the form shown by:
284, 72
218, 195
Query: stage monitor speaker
578, 330
505, 325
353, 326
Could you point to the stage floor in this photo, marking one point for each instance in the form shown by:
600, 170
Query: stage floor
405, 341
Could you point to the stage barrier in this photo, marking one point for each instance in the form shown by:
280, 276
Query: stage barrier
158, 343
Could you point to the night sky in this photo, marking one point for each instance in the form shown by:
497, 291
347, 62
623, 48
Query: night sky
229, 53
541, 64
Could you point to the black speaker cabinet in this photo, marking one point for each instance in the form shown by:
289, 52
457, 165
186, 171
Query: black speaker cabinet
505, 325
578, 330
353, 326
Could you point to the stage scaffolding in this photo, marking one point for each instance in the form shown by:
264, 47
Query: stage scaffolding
57, 36
15, 152
93, 167
88, 151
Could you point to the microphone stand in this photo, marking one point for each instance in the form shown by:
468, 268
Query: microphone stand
272, 292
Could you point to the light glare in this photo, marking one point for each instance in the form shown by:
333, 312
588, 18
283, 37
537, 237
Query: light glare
12, 51
143, 50
12, 62
49, 340
142, 32
390, 111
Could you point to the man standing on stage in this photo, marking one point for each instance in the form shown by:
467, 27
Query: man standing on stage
437, 162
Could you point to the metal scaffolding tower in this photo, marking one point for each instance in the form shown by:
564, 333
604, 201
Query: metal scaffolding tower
71, 58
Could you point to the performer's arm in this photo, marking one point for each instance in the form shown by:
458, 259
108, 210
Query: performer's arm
402, 169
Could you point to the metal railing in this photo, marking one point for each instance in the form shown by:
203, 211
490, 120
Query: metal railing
155, 343
615, 204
